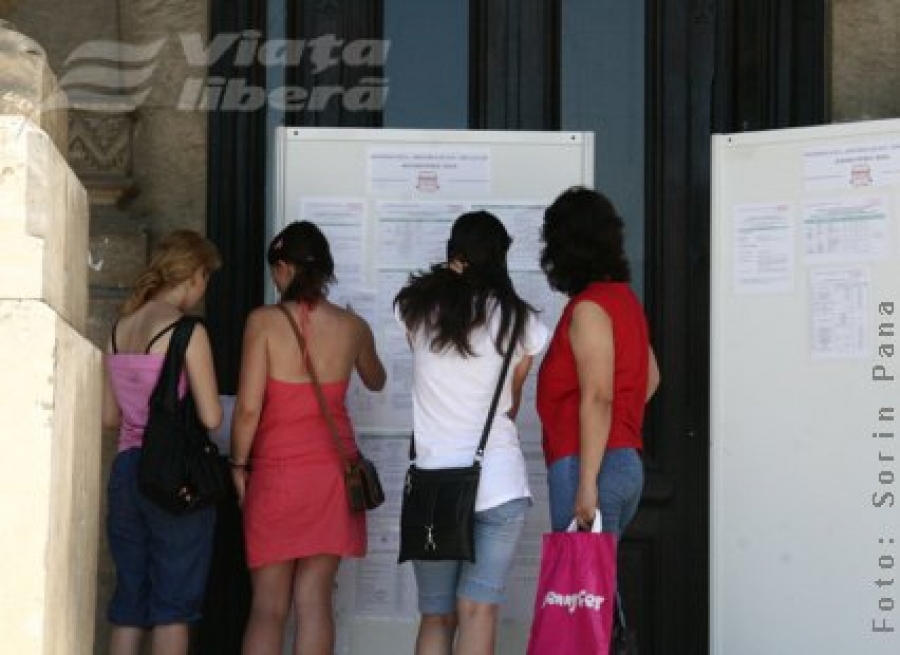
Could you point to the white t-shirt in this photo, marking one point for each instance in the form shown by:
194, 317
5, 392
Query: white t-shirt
451, 398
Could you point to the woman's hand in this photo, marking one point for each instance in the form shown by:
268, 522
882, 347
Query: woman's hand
586, 504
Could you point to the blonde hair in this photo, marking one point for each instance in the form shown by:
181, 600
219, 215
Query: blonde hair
174, 260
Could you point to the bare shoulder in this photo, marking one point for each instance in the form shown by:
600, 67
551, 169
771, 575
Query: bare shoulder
356, 322
338, 314
148, 324
265, 316
589, 311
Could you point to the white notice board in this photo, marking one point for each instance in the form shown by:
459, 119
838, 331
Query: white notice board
386, 200
805, 306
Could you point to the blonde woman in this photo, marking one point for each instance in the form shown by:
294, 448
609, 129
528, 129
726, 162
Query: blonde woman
161, 560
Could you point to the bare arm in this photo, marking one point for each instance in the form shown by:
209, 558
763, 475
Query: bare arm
249, 401
202, 378
652, 375
251, 389
592, 345
368, 364
518, 381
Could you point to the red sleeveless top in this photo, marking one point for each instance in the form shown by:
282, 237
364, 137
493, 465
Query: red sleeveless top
558, 393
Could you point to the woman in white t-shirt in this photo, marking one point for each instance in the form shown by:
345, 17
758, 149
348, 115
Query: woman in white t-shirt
459, 318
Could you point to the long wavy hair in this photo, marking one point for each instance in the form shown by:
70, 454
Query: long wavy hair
303, 245
448, 304
175, 259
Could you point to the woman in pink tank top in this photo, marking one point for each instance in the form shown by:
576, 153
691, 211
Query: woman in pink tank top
285, 461
161, 559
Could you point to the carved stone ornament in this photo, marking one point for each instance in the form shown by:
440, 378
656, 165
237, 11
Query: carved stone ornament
100, 143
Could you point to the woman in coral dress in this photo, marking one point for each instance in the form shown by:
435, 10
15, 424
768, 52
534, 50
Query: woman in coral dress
285, 462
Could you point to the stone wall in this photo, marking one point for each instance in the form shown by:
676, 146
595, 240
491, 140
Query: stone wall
50, 378
865, 60
142, 160
169, 144
49, 481
44, 226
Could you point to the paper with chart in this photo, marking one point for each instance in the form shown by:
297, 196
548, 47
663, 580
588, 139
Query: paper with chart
763, 248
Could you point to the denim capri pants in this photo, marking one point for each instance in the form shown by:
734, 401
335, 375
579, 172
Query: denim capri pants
497, 533
161, 559
619, 486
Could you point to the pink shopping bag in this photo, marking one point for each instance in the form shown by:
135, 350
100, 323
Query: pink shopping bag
573, 608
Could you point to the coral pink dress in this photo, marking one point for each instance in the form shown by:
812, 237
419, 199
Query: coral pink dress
296, 503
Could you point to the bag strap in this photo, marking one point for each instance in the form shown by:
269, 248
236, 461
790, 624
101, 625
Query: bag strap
485, 433
156, 337
166, 389
159, 335
317, 387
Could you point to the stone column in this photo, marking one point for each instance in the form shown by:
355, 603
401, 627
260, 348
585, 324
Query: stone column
865, 60
50, 374
170, 141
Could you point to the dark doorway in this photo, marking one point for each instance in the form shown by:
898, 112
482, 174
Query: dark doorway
725, 66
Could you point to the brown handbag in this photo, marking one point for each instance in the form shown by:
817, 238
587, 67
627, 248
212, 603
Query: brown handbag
364, 489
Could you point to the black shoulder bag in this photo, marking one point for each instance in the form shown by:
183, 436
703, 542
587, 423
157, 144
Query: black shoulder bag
180, 468
437, 519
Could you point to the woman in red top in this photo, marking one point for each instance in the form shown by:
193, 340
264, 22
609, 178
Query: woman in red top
599, 369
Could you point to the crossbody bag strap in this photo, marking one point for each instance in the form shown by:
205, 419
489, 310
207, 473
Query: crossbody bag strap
485, 433
317, 387
511, 346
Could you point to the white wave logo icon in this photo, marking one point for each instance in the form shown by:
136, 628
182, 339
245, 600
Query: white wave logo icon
108, 72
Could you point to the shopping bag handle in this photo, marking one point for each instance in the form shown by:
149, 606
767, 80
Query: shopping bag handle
596, 526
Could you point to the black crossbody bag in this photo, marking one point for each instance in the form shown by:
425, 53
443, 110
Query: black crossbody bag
437, 519
180, 468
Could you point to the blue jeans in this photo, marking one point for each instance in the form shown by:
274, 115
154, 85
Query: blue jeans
619, 486
161, 559
497, 533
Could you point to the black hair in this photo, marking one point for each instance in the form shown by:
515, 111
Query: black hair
303, 245
450, 304
583, 239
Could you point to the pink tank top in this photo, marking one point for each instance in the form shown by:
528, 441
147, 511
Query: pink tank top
133, 377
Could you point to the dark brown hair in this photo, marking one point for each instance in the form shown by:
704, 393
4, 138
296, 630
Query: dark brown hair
449, 304
303, 245
583, 239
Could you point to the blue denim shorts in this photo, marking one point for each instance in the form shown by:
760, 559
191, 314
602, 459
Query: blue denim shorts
161, 560
619, 486
497, 533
